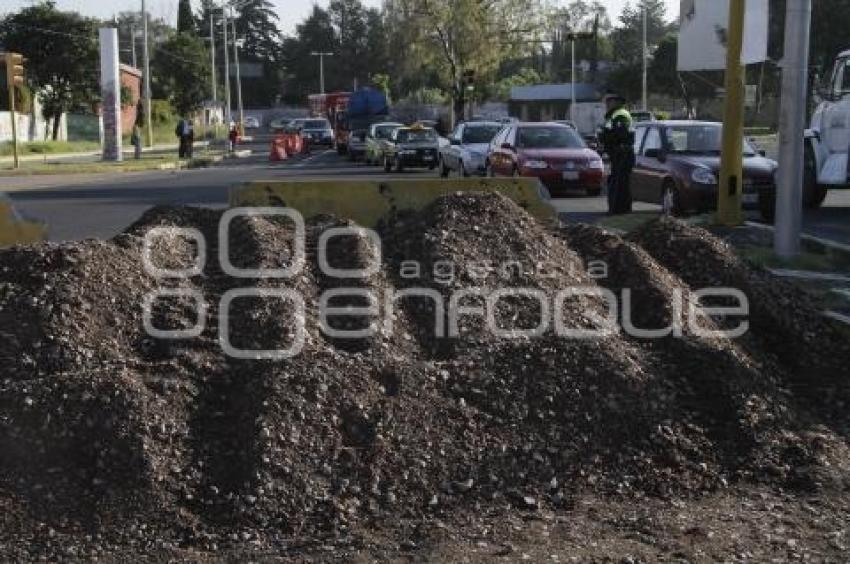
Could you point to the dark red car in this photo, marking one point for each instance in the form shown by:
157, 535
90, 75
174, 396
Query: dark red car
552, 152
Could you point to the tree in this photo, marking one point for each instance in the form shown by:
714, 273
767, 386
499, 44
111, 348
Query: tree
314, 34
63, 72
181, 72
185, 18
579, 16
129, 26
627, 43
448, 38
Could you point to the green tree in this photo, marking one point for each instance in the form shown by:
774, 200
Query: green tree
63, 71
129, 25
181, 73
185, 18
579, 16
314, 34
627, 44
444, 39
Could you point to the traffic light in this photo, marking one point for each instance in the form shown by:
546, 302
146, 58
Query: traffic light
14, 77
469, 77
14, 69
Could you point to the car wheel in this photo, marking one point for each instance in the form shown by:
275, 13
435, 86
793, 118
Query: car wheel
814, 194
462, 172
388, 166
670, 204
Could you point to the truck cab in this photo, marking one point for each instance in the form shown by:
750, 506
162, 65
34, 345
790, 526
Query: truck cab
828, 139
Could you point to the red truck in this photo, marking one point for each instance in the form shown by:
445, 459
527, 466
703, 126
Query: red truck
334, 107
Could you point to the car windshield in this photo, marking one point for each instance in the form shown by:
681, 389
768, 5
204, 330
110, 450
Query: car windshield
700, 140
317, 124
561, 137
385, 131
480, 134
416, 135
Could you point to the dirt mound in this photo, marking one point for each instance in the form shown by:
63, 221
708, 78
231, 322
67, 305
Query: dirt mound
146, 441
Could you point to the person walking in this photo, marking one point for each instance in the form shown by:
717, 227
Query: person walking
185, 134
233, 137
618, 140
136, 141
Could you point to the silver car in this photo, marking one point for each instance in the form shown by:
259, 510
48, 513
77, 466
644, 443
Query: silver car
467, 150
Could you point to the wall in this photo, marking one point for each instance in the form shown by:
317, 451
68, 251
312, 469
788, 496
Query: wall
130, 78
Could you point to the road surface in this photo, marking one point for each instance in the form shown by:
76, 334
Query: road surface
86, 206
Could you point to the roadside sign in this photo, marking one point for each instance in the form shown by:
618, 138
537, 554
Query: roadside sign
703, 34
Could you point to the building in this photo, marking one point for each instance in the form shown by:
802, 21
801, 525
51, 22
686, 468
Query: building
545, 102
131, 83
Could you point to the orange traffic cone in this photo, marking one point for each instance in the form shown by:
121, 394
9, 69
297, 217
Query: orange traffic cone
278, 149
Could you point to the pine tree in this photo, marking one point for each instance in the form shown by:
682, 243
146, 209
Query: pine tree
185, 19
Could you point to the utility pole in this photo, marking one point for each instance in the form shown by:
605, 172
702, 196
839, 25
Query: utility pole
238, 78
212, 55
573, 37
228, 116
645, 58
730, 182
321, 56
574, 97
147, 63
133, 46
792, 121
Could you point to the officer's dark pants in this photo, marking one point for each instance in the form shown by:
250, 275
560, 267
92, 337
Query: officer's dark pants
619, 185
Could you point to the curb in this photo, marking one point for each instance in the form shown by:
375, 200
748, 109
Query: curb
824, 244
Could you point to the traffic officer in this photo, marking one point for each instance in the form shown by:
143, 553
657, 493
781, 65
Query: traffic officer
618, 140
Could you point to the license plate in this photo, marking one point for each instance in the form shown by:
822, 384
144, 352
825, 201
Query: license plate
426, 158
750, 198
571, 175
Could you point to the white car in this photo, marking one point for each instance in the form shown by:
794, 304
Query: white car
467, 150
251, 123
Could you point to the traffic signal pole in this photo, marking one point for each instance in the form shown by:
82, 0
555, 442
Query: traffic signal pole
730, 182
14, 77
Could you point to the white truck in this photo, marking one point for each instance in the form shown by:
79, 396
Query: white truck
828, 140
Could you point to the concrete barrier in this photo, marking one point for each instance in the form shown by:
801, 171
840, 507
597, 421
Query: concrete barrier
366, 202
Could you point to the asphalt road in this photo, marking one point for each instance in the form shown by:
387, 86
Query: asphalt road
100, 206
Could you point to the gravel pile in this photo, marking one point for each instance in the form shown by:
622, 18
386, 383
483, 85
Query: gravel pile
114, 440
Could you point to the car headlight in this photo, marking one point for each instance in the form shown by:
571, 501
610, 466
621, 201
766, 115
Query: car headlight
536, 165
703, 176
596, 164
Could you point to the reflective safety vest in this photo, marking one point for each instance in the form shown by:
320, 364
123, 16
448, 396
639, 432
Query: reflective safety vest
620, 113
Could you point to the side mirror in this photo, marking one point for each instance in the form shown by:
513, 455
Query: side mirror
507, 147
657, 154
454, 140
762, 152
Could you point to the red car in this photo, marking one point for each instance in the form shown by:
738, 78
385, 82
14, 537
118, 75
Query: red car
552, 152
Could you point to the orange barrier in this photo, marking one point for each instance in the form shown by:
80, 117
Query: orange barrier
294, 143
278, 149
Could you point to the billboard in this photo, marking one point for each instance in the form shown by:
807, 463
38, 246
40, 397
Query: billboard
702, 34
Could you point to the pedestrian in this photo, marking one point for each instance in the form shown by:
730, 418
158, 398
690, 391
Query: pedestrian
233, 137
136, 141
182, 132
618, 141
190, 140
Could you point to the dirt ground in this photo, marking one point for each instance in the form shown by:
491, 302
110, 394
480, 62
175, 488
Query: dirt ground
407, 444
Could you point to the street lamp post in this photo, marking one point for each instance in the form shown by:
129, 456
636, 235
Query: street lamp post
321, 56
645, 50
227, 115
238, 78
147, 64
573, 37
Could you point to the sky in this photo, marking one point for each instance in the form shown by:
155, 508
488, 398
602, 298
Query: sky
291, 11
